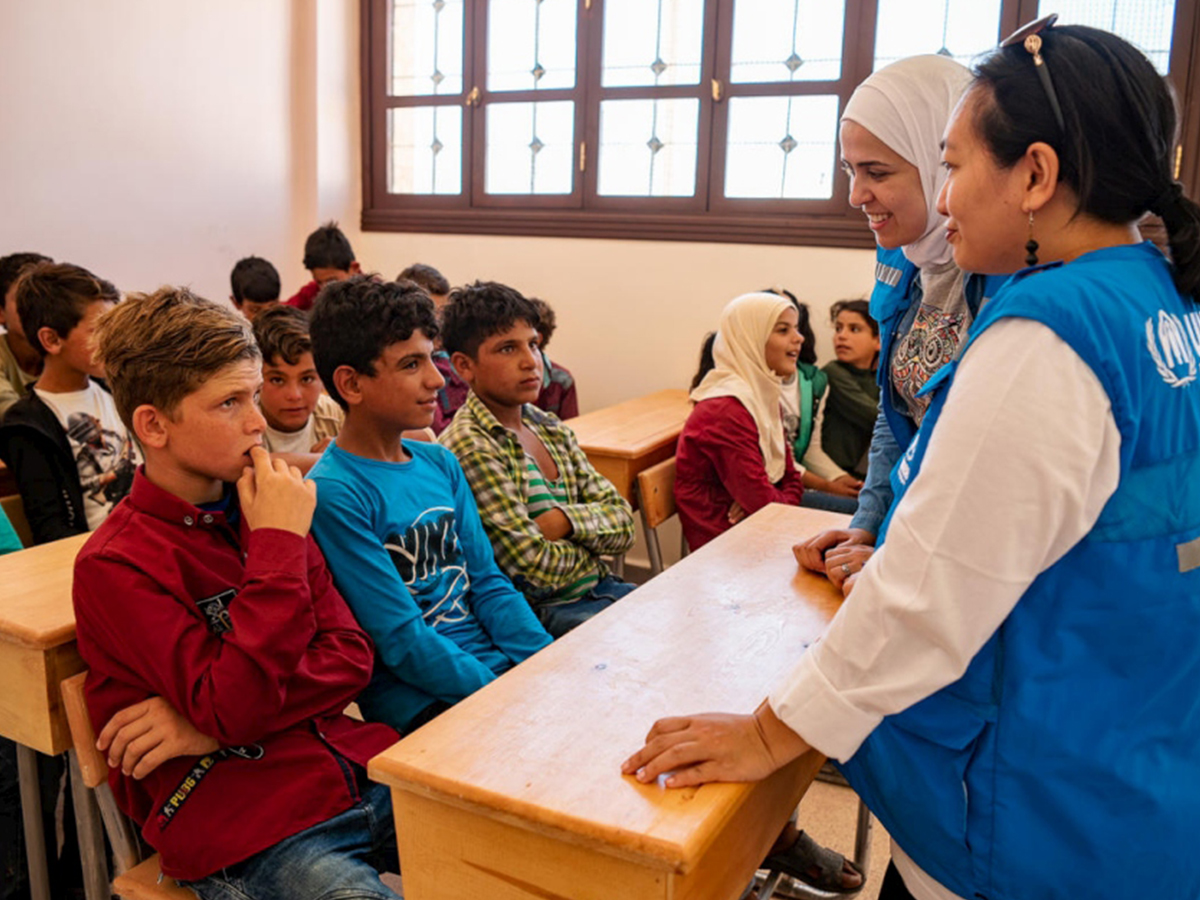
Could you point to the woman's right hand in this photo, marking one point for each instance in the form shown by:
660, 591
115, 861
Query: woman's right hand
811, 553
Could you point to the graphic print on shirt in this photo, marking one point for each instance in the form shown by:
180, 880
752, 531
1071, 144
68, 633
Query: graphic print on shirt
932, 342
432, 566
105, 459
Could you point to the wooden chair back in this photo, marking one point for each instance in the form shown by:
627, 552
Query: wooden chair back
14, 508
91, 761
656, 503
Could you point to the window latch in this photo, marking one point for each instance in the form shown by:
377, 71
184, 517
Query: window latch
473, 97
716, 91
583, 156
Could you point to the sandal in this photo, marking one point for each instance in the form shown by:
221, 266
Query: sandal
817, 866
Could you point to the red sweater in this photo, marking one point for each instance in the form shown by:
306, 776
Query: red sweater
245, 635
718, 461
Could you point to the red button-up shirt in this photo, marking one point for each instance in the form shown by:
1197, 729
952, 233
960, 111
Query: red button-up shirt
244, 634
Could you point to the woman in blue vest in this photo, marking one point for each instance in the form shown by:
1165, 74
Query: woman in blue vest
924, 302
1013, 687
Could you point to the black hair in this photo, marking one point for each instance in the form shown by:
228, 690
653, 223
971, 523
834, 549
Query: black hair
862, 307
328, 248
808, 350
57, 296
707, 363
1116, 151
547, 321
12, 265
282, 331
355, 320
480, 310
255, 279
427, 277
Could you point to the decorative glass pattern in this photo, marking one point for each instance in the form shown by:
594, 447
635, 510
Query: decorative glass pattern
427, 47
530, 148
960, 29
425, 150
1146, 23
648, 148
531, 45
781, 148
787, 40
652, 42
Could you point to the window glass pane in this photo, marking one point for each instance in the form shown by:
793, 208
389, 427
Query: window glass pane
652, 42
530, 148
648, 148
1145, 23
425, 150
531, 44
427, 47
957, 28
787, 40
781, 147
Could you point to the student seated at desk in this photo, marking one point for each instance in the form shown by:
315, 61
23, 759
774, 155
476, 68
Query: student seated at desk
732, 458
254, 283
328, 257
64, 440
853, 385
220, 655
558, 394
549, 513
20, 364
396, 518
453, 393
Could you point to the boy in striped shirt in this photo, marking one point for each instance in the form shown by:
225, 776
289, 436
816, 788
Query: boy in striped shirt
549, 514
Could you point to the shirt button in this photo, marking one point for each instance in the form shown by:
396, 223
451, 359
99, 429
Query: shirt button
188, 520
208, 520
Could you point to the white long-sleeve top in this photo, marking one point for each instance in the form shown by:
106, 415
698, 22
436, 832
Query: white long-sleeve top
1022, 461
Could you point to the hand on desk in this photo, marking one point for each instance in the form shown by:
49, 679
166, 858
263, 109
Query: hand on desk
829, 551
142, 737
715, 747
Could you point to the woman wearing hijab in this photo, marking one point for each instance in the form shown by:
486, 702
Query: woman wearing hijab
1012, 688
732, 458
924, 303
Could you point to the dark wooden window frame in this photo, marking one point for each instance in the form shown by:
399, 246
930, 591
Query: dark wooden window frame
707, 216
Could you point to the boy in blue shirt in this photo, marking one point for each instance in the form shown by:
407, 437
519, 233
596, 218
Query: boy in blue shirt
396, 519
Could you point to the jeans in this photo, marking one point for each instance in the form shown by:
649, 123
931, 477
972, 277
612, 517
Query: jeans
561, 618
831, 502
338, 859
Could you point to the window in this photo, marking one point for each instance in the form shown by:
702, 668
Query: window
668, 119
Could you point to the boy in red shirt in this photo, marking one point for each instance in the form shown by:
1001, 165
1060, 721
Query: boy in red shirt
220, 655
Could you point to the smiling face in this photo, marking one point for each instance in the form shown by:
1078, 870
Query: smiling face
289, 392
853, 341
402, 393
883, 185
506, 370
986, 225
783, 346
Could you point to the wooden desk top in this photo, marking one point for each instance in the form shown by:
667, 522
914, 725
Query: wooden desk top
543, 744
635, 427
35, 597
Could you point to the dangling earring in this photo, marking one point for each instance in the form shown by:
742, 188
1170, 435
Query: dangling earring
1031, 246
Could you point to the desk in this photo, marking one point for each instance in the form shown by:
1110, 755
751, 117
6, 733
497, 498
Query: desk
622, 440
516, 792
37, 651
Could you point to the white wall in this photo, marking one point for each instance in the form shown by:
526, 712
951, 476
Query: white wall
157, 141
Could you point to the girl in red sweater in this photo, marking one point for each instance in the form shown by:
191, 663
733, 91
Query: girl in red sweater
732, 457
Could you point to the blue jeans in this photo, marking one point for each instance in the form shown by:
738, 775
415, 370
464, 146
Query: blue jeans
338, 859
561, 618
831, 502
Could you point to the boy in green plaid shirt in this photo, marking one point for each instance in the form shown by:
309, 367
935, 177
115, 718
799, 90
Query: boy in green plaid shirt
549, 514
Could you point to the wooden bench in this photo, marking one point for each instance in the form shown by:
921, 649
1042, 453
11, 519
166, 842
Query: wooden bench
516, 792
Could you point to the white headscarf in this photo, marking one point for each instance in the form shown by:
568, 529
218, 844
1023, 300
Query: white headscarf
741, 371
907, 105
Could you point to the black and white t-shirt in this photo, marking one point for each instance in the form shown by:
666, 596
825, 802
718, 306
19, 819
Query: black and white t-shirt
104, 452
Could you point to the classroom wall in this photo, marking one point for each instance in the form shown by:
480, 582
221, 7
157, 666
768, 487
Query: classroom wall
160, 141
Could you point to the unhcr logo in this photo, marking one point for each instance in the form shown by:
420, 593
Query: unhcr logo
1174, 347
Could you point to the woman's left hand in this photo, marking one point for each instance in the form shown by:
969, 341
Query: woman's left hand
715, 747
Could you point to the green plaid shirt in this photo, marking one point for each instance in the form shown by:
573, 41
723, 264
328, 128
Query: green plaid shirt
495, 465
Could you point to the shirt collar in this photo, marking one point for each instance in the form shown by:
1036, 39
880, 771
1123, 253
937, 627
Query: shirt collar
147, 497
529, 413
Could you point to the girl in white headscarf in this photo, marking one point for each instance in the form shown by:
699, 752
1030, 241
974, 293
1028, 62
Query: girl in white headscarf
890, 140
732, 457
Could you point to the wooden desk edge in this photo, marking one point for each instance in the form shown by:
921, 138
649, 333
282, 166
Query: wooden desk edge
42, 640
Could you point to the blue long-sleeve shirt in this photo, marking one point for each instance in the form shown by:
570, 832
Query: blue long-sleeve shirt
408, 552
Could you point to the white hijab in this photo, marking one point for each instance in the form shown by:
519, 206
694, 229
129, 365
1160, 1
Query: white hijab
907, 105
741, 371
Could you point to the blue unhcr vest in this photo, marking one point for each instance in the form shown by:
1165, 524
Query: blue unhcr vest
1065, 763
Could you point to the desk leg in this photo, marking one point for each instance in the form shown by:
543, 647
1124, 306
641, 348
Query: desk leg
31, 816
91, 839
